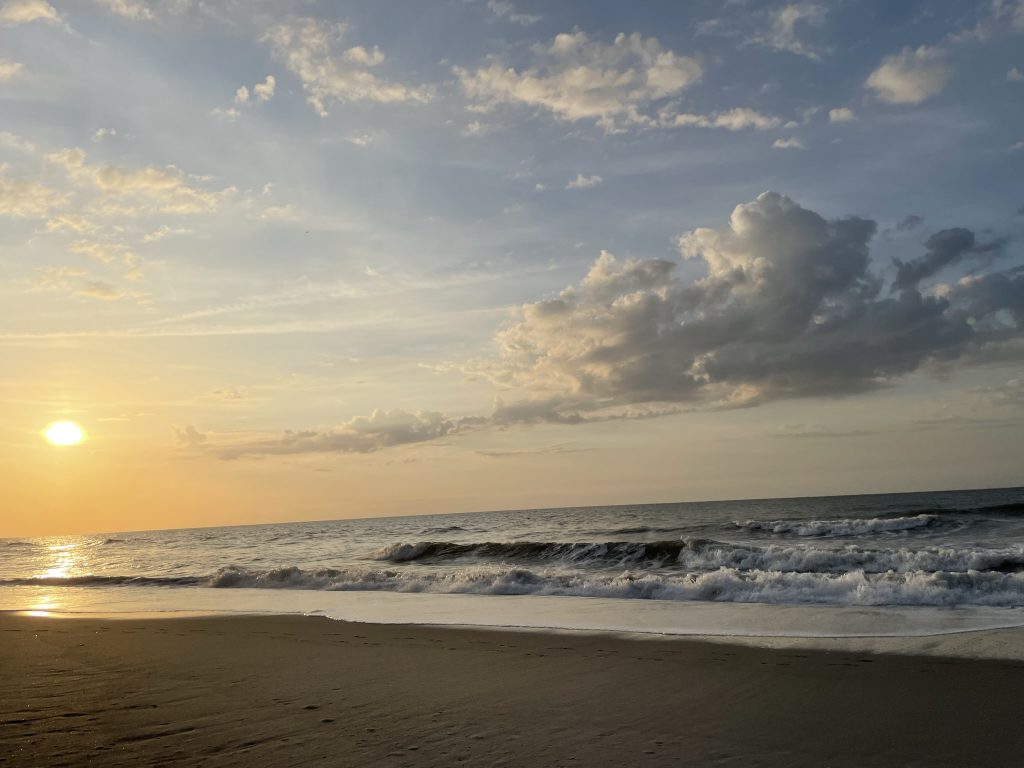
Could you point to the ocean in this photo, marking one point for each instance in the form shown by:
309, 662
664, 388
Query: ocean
942, 560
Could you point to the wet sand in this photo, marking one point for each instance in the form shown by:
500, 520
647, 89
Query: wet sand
294, 691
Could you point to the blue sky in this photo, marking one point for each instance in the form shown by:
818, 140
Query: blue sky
360, 237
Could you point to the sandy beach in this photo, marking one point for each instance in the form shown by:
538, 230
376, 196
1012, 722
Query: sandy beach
282, 691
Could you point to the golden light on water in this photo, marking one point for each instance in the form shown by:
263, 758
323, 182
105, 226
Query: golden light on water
64, 433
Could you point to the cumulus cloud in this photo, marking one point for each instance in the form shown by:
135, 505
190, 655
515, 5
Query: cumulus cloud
312, 50
9, 69
260, 93
584, 182
1015, 76
910, 76
576, 78
942, 249
15, 12
264, 91
788, 307
791, 143
129, 9
783, 33
841, 115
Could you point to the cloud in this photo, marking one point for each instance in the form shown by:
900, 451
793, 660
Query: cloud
942, 249
9, 69
18, 143
476, 128
74, 281
584, 182
507, 11
909, 222
782, 34
735, 119
22, 199
70, 222
791, 143
162, 232
264, 91
576, 78
230, 113
841, 115
1015, 76
911, 76
260, 93
364, 434
788, 307
15, 12
310, 50
363, 139
163, 190
190, 436
129, 9
998, 18
289, 212
104, 133
1010, 393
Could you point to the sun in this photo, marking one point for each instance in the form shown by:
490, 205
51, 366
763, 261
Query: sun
64, 433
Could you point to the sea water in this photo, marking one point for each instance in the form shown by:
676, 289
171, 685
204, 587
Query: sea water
886, 564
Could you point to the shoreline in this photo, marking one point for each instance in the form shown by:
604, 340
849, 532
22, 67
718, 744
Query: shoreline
969, 632
292, 690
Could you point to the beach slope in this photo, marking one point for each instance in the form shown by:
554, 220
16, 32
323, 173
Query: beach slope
283, 691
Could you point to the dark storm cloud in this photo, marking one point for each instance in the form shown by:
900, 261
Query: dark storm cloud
942, 249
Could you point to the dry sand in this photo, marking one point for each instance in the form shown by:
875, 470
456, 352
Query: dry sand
293, 691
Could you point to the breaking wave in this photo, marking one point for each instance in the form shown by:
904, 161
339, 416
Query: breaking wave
911, 588
706, 554
841, 527
614, 552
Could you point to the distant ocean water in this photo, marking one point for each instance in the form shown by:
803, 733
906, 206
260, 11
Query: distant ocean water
946, 549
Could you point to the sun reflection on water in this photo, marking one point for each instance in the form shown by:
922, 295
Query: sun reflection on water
66, 562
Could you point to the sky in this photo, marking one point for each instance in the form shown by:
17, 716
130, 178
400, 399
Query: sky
311, 260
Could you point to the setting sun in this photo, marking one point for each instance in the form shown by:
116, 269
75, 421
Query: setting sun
64, 433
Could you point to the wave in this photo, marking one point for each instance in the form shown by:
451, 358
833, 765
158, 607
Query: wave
913, 588
442, 529
641, 529
1012, 508
613, 552
93, 580
707, 554
841, 526
721, 585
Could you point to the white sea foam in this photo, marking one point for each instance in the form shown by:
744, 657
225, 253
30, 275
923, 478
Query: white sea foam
840, 527
706, 554
924, 588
